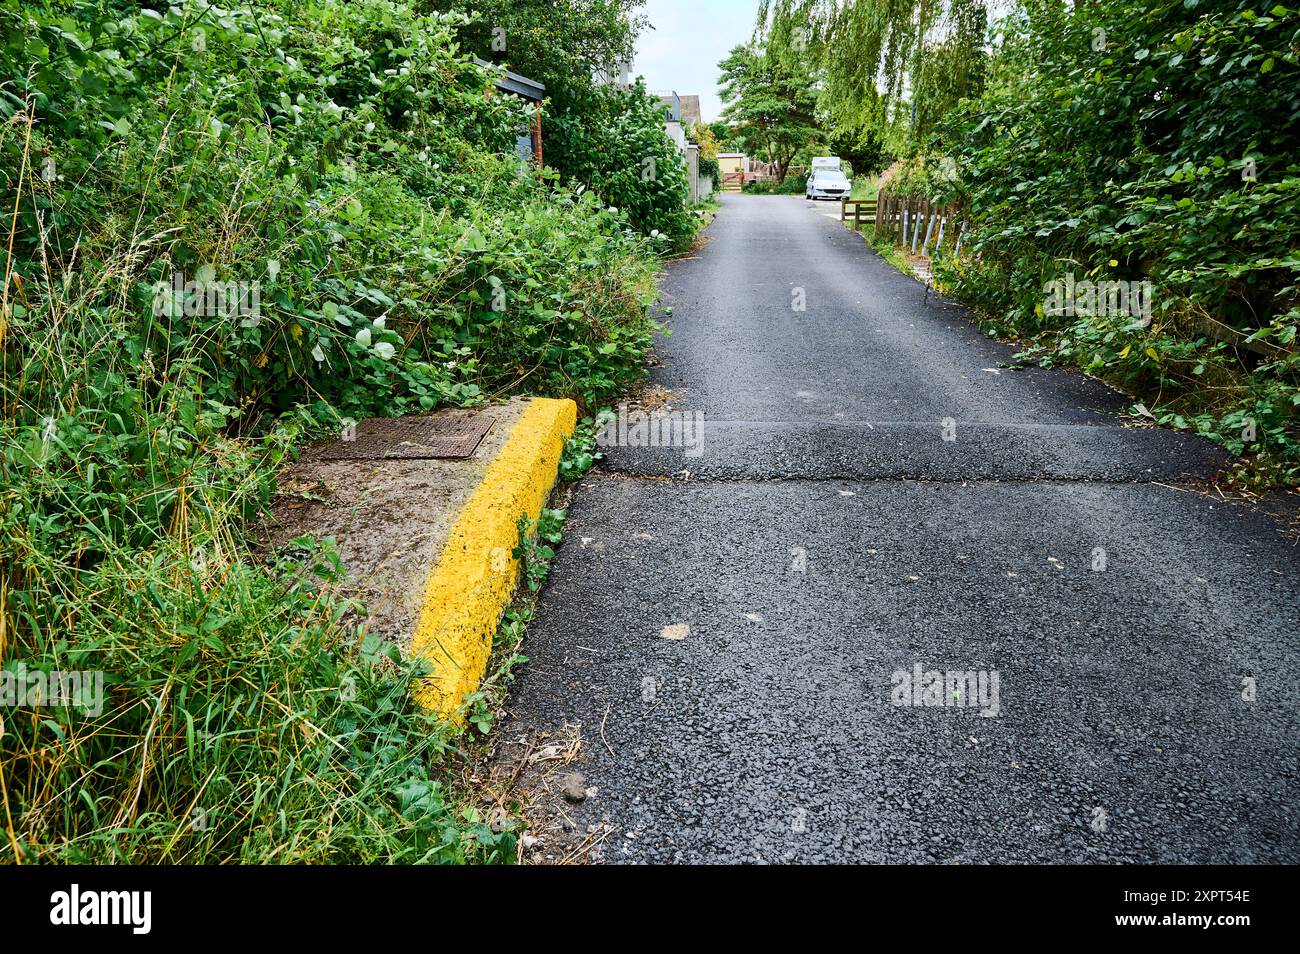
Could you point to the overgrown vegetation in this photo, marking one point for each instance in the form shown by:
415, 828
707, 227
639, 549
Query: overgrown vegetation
535, 551
581, 450
572, 47
790, 185
595, 132
348, 159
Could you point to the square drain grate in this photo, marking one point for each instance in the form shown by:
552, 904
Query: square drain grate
436, 437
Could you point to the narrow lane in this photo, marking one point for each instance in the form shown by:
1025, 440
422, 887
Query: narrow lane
829, 544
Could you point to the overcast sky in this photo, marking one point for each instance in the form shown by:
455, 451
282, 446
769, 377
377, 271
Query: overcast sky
689, 38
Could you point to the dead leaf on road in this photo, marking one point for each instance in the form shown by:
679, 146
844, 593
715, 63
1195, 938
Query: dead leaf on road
675, 631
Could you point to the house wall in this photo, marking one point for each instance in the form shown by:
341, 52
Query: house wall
693, 171
676, 133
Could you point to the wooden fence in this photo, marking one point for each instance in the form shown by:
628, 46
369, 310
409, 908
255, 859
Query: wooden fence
916, 224
924, 227
920, 226
863, 209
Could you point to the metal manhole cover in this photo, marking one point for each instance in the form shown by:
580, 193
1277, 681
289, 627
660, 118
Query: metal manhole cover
412, 438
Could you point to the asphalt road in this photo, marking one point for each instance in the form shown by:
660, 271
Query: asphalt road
827, 545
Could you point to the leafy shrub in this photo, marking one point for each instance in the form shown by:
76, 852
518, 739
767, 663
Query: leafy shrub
923, 177
567, 45
627, 159
792, 185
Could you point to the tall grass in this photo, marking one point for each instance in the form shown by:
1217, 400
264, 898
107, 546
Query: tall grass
247, 718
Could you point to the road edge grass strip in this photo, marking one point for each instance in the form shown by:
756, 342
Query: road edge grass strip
474, 578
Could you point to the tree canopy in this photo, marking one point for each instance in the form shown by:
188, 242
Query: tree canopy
574, 47
885, 68
770, 103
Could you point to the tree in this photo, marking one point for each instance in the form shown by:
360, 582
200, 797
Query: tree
862, 146
576, 48
886, 68
702, 134
606, 137
771, 103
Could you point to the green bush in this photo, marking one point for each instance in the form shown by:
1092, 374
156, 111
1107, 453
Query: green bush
923, 177
627, 159
792, 185
569, 46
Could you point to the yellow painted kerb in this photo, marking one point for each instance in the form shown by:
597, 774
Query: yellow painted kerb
476, 572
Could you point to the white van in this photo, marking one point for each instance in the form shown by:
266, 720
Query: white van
827, 183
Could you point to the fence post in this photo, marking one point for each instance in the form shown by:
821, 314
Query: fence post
929, 230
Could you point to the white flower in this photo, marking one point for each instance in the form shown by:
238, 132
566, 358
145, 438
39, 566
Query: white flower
318, 354
381, 322
654, 233
385, 350
363, 337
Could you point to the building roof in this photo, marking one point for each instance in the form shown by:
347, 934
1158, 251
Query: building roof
672, 104
681, 109
510, 82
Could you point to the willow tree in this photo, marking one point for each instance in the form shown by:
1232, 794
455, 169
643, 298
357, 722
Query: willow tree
889, 68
